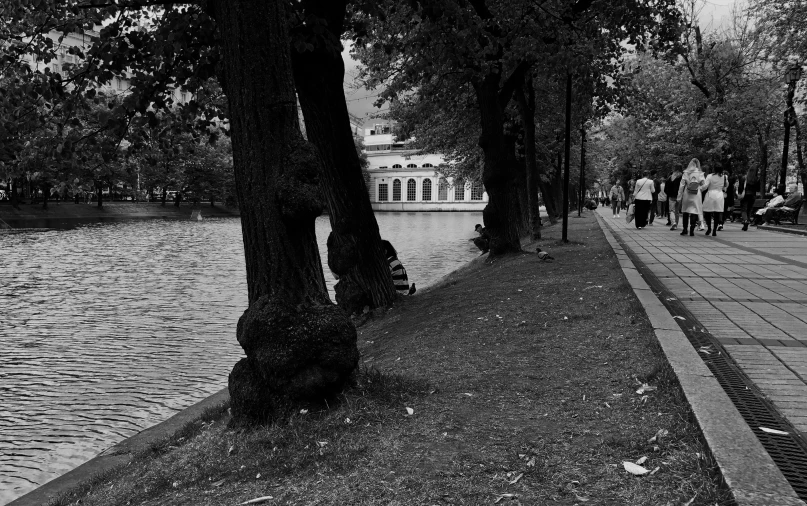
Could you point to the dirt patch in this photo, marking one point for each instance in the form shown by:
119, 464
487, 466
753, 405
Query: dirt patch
521, 376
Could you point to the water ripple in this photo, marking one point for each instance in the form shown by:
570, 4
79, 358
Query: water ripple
107, 329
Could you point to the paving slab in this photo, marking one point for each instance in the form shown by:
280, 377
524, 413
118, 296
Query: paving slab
733, 286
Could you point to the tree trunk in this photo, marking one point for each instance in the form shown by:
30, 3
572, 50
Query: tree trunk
45, 195
525, 97
500, 220
355, 253
15, 200
100, 191
298, 344
557, 186
164, 196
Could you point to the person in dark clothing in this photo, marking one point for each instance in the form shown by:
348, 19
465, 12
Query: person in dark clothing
731, 194
483, 241
748, 194
671, 188
654, 202
398, 271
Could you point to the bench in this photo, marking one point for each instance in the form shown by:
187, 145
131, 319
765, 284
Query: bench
790, 214
737, 212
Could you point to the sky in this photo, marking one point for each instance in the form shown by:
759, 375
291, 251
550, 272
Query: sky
713, 15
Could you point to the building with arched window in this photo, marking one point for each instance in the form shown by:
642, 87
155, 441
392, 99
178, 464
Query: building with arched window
401, 179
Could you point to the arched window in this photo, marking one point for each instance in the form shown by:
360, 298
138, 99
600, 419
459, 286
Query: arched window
383, 192
477, 190
397, 166
442, 189
427, 190
427, 165
459, 190
411, 190
411, 166
396, 190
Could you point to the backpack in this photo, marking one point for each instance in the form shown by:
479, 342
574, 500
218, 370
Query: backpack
693, 184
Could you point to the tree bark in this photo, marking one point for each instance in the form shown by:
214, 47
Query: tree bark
355, 253
525, 97
100, 193
298, 344
15, 200
500, 220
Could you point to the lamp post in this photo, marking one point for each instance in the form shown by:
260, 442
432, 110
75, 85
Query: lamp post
792, 76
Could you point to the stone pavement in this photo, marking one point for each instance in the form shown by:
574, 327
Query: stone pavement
748, 289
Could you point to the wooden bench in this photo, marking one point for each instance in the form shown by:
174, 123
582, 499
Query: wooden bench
790, 214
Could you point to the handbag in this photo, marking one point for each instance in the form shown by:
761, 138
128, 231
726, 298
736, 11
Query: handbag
630, 214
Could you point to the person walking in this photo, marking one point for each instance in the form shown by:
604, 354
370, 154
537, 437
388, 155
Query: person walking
671, 188
749, 194
631, 189
728, 208
617, 196
714, 202
643, 199
654, 203
662, 209
689, 194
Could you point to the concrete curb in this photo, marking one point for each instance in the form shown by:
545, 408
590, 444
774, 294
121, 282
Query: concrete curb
748, 470
783, 230
120, 454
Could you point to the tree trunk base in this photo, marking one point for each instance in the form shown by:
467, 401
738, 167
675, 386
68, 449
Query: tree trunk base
294, 354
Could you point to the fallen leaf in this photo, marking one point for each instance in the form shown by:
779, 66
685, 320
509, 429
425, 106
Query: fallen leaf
581, 498
218, 483
175, 484
321, 444
531, 462
774, 431
634, 469
231, 450
504, 496
595, 286
689, 502
257, 476
469, 395
410, 411
654, 471
258, 500
645, 388
607, 405
679, 317
641, 461
515, 480
303, 411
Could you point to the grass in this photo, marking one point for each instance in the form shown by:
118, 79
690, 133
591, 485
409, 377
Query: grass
522, 378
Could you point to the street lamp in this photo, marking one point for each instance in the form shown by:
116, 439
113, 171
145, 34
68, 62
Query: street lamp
792, 76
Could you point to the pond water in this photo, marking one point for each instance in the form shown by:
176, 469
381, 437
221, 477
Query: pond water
107, 329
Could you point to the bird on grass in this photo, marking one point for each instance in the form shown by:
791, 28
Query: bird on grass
412, 289
543, 255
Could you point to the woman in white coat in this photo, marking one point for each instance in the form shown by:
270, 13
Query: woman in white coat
689, 195
713, 204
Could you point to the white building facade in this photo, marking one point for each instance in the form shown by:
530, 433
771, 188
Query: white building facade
403, 180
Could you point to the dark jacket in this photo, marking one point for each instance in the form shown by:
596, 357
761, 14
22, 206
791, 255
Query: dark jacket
672, 187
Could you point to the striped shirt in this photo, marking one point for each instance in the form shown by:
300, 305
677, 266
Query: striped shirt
399, 276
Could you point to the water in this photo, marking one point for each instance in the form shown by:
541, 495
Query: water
107, 329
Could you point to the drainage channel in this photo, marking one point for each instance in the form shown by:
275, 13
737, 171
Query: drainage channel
788, 452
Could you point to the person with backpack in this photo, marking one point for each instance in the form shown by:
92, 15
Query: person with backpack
643, 199
689, 194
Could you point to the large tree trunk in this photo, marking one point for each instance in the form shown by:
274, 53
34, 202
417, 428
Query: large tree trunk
557, 185
501, 222
525, 97
298, 344
355, 253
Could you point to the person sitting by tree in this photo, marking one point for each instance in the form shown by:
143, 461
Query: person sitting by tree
765, 214
483, 241
398, 271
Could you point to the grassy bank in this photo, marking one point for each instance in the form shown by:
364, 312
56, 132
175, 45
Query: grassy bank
32, 215
520, 377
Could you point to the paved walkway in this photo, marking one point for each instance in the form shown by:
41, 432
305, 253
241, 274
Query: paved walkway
748, 289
